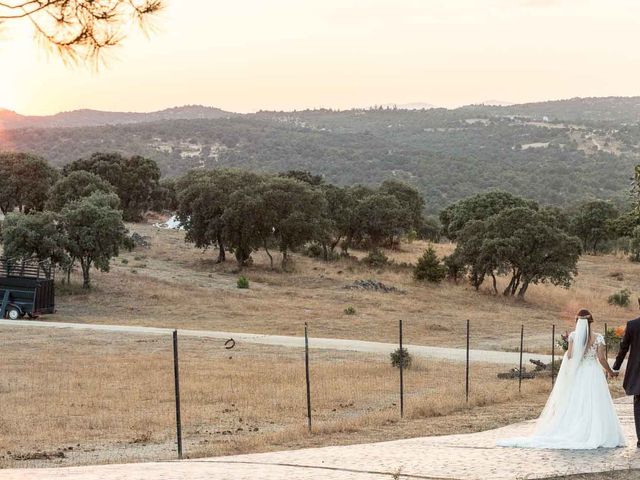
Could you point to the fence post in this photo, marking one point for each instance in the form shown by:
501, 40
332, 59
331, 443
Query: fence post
553, 355
520, 369
401, 371
466, 388
306, 366
606, 344
176, 376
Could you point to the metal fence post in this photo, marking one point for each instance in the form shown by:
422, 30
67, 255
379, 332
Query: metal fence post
176, 376
402, 359
553, 355
467, 365
520, 369
606, 343
306, 365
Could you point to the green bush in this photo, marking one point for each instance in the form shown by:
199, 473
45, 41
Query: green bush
429, 267
350, 310
376, 258
454, 267
621, 298
243, 282
313, 250
399, 357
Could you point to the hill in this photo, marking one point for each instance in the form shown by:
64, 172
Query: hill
87, 117
557, 153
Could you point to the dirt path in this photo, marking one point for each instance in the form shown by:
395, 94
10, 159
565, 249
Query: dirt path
463, 457
453, 354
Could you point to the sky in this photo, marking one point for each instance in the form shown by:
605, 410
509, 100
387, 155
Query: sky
246, 55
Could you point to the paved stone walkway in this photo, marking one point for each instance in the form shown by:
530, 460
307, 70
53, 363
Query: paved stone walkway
454, 354
460, 457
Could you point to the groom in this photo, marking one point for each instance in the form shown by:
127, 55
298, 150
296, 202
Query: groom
631, 382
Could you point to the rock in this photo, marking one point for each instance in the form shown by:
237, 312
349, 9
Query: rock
373, 285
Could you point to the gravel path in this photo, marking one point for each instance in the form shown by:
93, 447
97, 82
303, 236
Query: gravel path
461, 457
454, 354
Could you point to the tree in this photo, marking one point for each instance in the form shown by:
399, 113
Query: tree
429, 267
634, 245
295, 212
95, 232
76, 185
529, 245
202, 197
343, 205
304, 176
36, 235
473, 255
478, 207
79, 28
247, 223
410, 199
381, 217
135, 179
625, 224
338, 217
165, 197
25, 180
594, 223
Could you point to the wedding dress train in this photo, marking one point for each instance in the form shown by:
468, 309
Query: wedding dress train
579, 414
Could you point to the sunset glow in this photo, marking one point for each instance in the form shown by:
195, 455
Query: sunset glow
287, 54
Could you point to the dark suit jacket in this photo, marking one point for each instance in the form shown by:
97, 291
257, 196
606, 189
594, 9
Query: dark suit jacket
631, 340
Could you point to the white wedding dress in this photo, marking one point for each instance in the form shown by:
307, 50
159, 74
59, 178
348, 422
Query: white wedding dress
579, 414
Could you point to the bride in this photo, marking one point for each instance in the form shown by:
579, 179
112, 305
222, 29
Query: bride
579, 413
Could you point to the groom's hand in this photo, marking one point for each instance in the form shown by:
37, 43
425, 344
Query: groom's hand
614, 374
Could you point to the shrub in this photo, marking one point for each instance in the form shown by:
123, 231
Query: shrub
429, 267
401, 357
376, 258
350, 310
454, 266
412, 235
313, 250
243, 282
124, 261
620, 298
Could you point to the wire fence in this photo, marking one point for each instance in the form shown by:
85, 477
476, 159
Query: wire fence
99, 397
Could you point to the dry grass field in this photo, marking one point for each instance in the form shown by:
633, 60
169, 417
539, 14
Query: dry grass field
172, 284
77, 397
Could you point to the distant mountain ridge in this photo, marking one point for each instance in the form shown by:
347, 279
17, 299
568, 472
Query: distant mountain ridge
95, 118
610, 110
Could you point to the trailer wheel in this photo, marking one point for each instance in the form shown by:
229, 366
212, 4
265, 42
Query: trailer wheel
14, 313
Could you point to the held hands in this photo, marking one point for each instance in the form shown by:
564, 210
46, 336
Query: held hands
613, 374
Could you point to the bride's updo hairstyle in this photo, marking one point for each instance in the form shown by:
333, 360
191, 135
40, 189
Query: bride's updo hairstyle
587, 315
